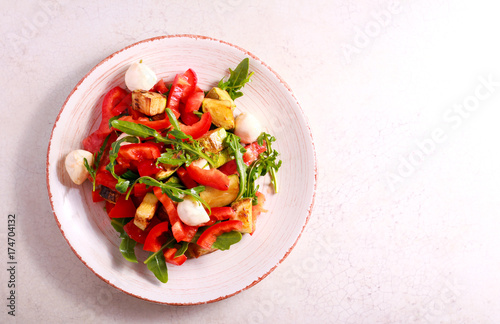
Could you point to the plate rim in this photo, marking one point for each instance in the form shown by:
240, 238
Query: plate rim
192, 36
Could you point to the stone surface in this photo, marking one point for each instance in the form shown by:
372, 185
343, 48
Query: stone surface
402, 98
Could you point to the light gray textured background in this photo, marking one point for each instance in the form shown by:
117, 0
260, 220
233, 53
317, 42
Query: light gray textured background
403, 100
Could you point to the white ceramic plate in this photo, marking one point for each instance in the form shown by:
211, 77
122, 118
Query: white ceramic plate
85, 225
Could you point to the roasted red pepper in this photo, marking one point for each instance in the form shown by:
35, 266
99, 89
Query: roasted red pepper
169, 255
209, 236
155, 238
212, 178
94, 141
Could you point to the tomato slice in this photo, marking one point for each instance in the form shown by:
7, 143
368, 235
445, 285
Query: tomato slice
105, 178
124, 208
169, 255
139, 152
94, 141
147, 168
212, 178
155, 238
123, 105
209, 236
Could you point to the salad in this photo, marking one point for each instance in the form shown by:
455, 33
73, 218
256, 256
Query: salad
176, 169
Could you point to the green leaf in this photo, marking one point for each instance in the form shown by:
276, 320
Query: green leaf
266, 163
237, 79
182, 249
127, 248
225, 240
237, 150
158, 267
127, 244
172, 157
122, 185
132, 128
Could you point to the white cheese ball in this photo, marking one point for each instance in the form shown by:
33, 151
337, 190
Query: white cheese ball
192, 212
76, 167
140, 77
247, 128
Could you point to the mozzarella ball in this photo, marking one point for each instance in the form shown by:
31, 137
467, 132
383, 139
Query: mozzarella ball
76, 167
192, 212
247, 128
140, 77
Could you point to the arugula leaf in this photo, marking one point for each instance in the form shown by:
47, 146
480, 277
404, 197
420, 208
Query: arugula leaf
225, 240
172, 157
236, 150
127, 244
237, 79
127, 248
267, 163
158, 267
97, 159
182, 249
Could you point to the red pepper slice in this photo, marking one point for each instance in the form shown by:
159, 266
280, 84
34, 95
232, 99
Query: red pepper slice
194, 101
189, 118
138, 234
139, 152
180, 231
169, 255
94, 141
212, 178
147, 168
185, 178
209, 236
124, 208
198, 129
219, 214
183, 86
158, 125
160, 87
155, 238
